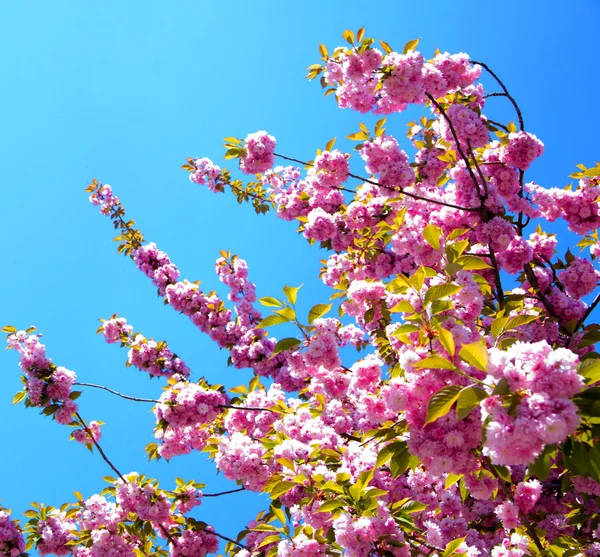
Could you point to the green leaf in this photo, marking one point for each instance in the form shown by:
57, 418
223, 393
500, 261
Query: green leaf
472, 263
288, 313
273, 320
413, 506
270, 539
356, 491
446, 340
590, 370
432, 235
498, 325
457, 232
291, 293
318, 311
9, 329
468, 399
281, 488
540, 467
519, 320
286, 344
400, 459
434, 362
441, 291
403, 306
405, 329
441, 402
452, 547
411, 45
503, 472
264, 528
19, 397
475, 354
330, 506
386, 47
349, 36
270, 302
451, 479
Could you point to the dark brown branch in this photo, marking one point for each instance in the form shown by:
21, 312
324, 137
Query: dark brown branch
227, 539
93, 439
136, 399
506, 93
541, 296
455, 136
498, 125
368, 181
588, 311
224, 492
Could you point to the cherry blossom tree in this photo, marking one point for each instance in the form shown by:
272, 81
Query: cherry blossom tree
441, 402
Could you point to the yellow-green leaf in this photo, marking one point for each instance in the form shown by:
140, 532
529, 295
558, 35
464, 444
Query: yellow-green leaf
411, 45
475, 354
291, 293
281, 488
273, 320
434, 362
432, 235
446, 340
441, 402
285, 344
441, 291
468, 399
270, 302
318, 311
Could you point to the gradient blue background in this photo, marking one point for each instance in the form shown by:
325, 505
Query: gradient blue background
124, 91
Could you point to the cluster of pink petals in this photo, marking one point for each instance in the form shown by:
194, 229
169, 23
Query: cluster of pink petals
55, 533
579, 278
522, 149
546, 379
579, 208
115, 329
195, 543
156, 265
205, 173
86, 437
12, 543
385, 159
260, 148
189, 404
45, 383
143, 501
155, 358
104, 197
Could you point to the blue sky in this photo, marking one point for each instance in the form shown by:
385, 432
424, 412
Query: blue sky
124, 91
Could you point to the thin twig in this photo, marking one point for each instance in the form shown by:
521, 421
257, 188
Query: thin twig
506, 93
588, 311
541, 296
228, 539
372, 182
498, 125
106, 459
455, 136
224, 492
136, 399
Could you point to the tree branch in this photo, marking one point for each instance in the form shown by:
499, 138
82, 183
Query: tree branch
105, 458
368, 181
506, 93
136, 399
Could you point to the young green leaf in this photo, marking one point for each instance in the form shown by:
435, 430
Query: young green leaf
475, 354
441, 402
318, 311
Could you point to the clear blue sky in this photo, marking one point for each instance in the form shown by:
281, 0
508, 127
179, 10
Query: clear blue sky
124, 91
